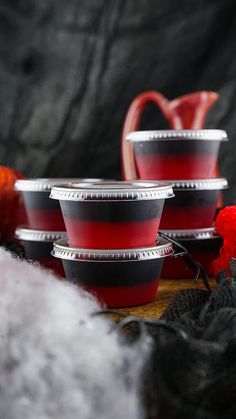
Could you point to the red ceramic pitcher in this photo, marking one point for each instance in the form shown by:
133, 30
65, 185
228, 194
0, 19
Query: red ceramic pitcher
186, 112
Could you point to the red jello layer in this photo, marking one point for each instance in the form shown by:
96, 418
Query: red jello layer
175, 268
48, 220
188, 217
179, 166
95, 235
54, 264
115, 297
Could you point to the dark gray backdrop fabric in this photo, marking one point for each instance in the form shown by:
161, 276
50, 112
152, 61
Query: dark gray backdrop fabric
70, 68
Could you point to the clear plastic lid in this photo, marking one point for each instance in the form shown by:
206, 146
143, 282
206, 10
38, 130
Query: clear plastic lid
112, 191
24, 233
62, 250
200, 184
201, 233
188, 134
45, 184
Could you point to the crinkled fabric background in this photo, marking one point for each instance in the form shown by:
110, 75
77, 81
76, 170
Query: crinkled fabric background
69, 69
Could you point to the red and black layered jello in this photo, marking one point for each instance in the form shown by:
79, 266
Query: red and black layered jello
38, 246
176, 154
118, 278
112, 214
202, 244
42, 212
194, 204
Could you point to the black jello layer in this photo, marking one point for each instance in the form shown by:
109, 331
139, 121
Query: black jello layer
176, 147
38, 250
113, 274
39, 200
112, 211
201, 245
193, 198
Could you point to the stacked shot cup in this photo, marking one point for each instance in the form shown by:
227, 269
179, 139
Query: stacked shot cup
187, 159
45, 221
112, 249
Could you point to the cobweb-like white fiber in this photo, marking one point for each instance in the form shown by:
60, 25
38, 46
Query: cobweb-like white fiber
56, 361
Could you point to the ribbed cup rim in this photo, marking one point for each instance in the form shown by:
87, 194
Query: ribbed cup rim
188, 134
24, 233
45, 184
199, 184
62, 250
112, 191
198, 233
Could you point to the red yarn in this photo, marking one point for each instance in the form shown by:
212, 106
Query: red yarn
12, 210
225, 226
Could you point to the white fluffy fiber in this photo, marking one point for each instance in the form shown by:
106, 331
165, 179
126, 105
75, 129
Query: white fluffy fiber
56, 362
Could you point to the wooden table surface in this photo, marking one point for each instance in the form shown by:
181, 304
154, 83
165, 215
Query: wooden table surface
167, 289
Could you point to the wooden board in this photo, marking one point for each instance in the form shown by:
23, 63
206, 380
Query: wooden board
167, 289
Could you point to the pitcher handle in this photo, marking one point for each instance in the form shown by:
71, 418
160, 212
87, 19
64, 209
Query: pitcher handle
132, 123
185, 112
